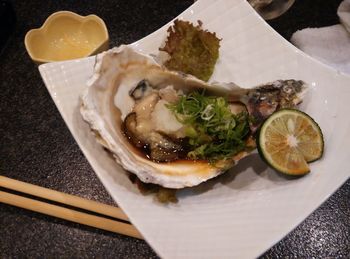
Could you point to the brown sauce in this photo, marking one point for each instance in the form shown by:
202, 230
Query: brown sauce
144, 149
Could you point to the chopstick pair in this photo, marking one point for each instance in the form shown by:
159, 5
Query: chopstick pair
124, 228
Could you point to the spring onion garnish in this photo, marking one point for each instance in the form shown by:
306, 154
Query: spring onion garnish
213, 131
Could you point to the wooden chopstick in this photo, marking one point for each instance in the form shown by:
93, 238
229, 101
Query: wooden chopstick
69, 214
63, 198
66, 213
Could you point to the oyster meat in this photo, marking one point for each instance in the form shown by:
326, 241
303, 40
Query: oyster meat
126, 105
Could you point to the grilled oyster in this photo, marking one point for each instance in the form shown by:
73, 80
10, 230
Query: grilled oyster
126, 102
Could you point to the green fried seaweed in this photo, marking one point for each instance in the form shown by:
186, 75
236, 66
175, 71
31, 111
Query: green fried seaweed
192, 50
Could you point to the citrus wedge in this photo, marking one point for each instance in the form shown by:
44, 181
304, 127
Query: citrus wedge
288, 140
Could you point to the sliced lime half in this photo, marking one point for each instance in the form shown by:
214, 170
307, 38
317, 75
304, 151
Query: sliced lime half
288, 140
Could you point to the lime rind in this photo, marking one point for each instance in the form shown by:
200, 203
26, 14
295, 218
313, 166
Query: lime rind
319, 132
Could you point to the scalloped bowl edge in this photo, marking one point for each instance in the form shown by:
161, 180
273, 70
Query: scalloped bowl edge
66, 35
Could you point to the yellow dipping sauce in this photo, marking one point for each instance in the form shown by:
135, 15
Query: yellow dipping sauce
70, 46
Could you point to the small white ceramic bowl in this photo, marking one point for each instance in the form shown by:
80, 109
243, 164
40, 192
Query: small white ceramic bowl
67, 35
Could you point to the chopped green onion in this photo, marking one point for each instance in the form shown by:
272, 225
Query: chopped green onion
214, 132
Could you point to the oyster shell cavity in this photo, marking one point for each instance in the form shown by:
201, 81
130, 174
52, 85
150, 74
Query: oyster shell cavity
115, 99
106, 103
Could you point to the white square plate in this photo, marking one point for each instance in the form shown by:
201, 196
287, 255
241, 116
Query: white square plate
244, 212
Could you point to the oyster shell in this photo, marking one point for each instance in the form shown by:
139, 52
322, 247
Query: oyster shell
120, 79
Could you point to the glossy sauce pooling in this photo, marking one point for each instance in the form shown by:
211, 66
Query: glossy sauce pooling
155, 152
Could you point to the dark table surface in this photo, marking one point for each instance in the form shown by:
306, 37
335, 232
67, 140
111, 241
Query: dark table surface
36, 146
